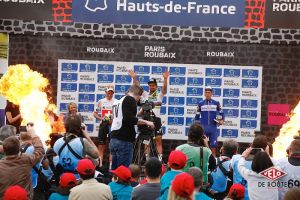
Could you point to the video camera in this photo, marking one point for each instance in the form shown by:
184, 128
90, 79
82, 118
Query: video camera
149, 115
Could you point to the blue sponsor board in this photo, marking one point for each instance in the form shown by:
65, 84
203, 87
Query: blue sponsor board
249, 124
178, 111
105, 78
193, 101
176, 101
189, 121
140, 69
100, 96
69, 67
176, 121
164, 100
213, 72
231, 103
231, 113
248, 103
63, 107
216, 92
250, 73
204, 13
158, 69
163, 110
119, 96
163, 129
145, 87
69, 77
89, 128
86, 67
250, 114
87, 87
194, 91
230, 133
105, 68
179, 71
68, 87
187, 131
249, 83
143, 79
177, 81
86, 98
122, 88
214, 82
123, 79
234, 73
193, 81
235, 93
85, 107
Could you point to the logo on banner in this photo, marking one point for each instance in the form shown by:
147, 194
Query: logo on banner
249, 73
86, 98
87, 87
248, 103
248, 124
105, 78
177, 71
179, 111
100, 96
123, 79
63, 107
231, 113
216, 92
232, 73
195, 81
68, 87
178, 101
193, 101
177, 80
139, 69
232, 103
215, 82
230, 133
249, 83
215, 72
122, 88
94, 5
105, 68
69, 77
194, 91
69, 67
189, 121
87, 68
176, 121
86, 108
143, 79
250, 114
159, 69
231, 93
163, 110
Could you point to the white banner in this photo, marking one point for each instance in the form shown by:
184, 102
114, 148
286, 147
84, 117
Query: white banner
238, 88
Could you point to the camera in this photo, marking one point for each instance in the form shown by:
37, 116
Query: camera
149, 115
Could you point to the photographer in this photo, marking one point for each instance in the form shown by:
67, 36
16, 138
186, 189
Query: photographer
104, 114
156, 97
72, 148
122, 130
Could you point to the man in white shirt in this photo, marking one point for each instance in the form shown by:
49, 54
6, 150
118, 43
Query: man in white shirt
104, 114
156, 97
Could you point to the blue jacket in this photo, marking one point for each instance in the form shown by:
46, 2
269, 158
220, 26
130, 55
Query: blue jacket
166, 181
207, 112
120, 192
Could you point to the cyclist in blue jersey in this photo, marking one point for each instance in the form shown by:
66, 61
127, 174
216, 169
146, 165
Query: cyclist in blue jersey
210, 115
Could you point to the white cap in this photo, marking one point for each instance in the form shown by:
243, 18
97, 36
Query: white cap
110, 89
208, 88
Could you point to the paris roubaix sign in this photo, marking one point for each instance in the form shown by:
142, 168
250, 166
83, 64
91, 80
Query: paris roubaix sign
238, 88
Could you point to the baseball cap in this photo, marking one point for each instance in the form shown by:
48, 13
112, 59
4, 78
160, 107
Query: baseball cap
208, 88
123, 173
85, 167
183, 185
110, 89
67, 180
177, 160
152, 80
15, 193
237, 190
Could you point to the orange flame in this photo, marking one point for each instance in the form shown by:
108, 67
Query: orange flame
23, 86
287, 133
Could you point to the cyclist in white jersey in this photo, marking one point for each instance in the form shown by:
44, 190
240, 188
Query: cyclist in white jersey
104, 114
156, 97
